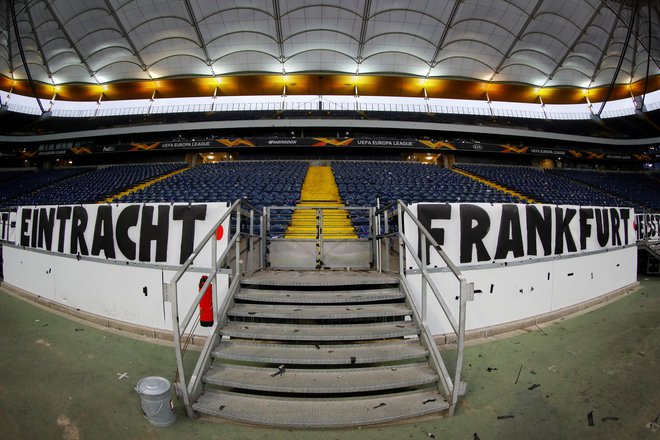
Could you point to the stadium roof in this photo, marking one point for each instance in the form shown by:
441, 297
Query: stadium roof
123, 49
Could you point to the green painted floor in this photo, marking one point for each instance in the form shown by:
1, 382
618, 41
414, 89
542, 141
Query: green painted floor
62, 379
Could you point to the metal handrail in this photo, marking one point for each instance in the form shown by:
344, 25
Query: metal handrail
189, 391
451, 388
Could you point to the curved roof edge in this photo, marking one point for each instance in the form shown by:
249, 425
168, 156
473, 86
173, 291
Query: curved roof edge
327, 84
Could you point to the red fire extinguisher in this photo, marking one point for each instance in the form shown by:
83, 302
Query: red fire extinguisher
206, 304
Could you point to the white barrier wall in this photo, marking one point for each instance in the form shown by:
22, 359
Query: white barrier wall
523, 266
122, 288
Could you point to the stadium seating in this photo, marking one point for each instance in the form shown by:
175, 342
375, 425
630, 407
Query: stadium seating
261, 183
6, 175
362, 183
638, 188
17, 191
96, 185
544, 186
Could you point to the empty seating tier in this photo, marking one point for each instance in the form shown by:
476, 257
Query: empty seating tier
97, 185
543, 186
261, 183
363, 183
20, 188
638, 188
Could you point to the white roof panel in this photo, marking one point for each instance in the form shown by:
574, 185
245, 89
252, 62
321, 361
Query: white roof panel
561, 43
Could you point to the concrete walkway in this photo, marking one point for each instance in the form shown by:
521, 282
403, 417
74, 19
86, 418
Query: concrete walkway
64, 379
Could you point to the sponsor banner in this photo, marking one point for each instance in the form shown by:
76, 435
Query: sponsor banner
186, 144
385, 143
618, 156
648, 227
8, 226
420, 144
147, 233
481, 233
547, 152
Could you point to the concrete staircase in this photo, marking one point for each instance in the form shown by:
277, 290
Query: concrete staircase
319, 349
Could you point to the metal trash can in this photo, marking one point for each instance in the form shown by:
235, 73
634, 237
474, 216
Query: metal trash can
156, 400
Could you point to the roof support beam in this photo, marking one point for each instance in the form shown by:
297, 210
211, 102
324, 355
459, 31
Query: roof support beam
606, 45
68, 38
443, 37
623, 14
195, 25
19, 43
39, 46
624, 49
124, 34
363, 30
521, 33
576, 41
10, 53
648, 62
278, 29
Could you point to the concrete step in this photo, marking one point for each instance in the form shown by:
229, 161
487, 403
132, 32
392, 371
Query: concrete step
339, 229
314, 354
320, 296
324, 312
308, 236
329, 279
311, 222
321, 333
319, 412
315, 381
327, 212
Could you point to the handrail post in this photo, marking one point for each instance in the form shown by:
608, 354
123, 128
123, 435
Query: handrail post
265, 226
319, 234
386, 231
238, 240
373, 233
423, 278
182, 384
214, 272
466, 291
379, 252
250, 242
402, 249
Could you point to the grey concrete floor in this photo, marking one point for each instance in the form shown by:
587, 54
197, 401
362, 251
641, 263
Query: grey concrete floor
65, 379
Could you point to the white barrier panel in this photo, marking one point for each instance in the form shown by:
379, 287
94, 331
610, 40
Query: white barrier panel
130, 292
524, 260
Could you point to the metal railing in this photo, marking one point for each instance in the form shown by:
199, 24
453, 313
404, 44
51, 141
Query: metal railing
241, 255
480, 108
390, 223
